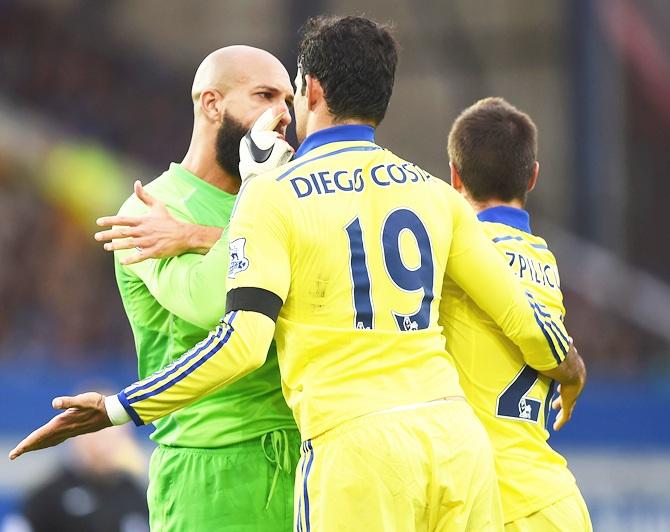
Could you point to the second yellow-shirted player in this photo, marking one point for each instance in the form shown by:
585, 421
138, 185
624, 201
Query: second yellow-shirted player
492, 149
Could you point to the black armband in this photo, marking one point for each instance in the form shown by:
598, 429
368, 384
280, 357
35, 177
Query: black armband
255, 300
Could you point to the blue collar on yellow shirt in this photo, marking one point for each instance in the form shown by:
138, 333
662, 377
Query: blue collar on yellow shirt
517, 218
348, 132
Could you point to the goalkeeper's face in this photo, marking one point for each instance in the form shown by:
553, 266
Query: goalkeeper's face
227, 146
261, 84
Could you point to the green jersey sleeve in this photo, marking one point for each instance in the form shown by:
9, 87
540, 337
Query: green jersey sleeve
191, 286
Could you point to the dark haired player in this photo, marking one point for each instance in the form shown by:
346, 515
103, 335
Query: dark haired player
493, 153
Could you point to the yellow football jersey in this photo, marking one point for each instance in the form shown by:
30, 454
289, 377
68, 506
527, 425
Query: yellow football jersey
355, 242
508, 395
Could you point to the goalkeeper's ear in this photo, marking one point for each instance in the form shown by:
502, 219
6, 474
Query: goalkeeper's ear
262, 148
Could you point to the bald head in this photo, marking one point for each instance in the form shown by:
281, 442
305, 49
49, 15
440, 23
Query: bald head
233, 65
232, 87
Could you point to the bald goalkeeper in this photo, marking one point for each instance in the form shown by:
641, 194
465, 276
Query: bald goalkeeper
227, 461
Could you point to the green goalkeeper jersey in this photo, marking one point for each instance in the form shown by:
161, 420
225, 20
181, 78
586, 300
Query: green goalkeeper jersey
173, 303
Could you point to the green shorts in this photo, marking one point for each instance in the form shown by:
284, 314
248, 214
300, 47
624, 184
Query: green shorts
247, 486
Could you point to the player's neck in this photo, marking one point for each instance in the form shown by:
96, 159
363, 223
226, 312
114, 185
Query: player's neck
480, 206
202, 164
319, 121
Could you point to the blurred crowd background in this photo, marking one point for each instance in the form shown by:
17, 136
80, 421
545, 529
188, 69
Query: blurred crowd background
96, 94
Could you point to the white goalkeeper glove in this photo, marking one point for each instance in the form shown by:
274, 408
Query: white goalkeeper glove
262, 149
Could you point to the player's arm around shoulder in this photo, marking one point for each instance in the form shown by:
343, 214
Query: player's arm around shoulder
571, 376
571, 373
148, 226
480, 270
189, 285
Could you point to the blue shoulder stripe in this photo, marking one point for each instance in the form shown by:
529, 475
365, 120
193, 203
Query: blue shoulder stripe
553, 328
131, 411
172, 368
503, 238
559, 335
497, 239
538, 308
545, 322
336, 152
195, 366
557, 357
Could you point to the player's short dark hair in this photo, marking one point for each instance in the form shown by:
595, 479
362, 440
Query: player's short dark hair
354, 59
494, 147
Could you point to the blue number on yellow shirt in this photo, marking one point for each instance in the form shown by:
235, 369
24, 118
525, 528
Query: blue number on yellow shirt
513, 402
407, 279
360, 277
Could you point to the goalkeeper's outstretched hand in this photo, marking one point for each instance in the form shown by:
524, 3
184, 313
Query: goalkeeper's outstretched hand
84, 413
262, 148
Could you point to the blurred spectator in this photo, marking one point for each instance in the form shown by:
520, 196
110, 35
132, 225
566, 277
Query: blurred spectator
53, 59
608, 344
56, 283
94, 491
